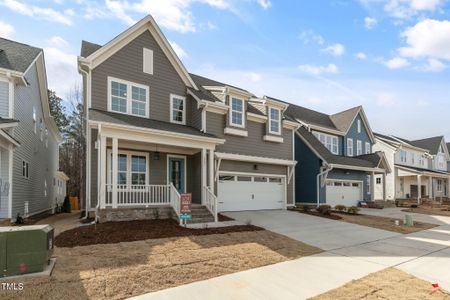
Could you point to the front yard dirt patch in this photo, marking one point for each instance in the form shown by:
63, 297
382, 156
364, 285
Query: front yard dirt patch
118, 271
384, 223
317, 214
223, 218
116, 232
437, 211
387, 284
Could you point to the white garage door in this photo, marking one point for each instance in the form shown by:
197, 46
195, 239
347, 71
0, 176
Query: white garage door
343, 192
242, 192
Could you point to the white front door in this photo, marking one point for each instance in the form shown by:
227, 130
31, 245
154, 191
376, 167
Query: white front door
250, 192
346, 193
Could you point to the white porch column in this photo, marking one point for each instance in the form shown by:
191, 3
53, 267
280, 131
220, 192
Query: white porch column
384, 187
115, 169
430, 187
372, 186
102, 171
211, 170
10, 180
203, 166
419, 188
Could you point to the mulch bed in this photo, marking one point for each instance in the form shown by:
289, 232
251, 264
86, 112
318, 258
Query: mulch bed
318, 214
117, 232
223, 218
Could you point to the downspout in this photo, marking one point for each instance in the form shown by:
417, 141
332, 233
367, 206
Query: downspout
88, 143
323, 173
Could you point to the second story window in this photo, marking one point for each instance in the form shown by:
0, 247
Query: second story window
274, 121
237, 112
359, 126
358, 148
34, 120
25, 169
403, 156
329, 141
349, 147
177, 109
128, 97
368, 150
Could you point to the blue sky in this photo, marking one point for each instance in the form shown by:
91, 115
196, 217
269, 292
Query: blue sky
391, 56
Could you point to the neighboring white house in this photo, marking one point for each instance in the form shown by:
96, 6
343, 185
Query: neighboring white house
29, 137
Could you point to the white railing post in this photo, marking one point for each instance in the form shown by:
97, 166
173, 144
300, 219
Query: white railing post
211, 170
203, 171
114, 171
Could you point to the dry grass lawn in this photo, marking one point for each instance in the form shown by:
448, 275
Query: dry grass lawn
386, 284
117, 271
430, 211
385, 223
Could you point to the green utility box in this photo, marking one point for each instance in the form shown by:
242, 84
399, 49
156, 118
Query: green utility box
25, 249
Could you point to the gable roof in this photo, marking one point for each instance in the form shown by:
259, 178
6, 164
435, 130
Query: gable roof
431, 144
344, 119
371, 161
96, 56
310, 116
16, 56
87, 48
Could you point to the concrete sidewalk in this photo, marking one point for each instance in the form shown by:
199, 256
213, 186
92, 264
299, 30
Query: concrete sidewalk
423, 254
397, 213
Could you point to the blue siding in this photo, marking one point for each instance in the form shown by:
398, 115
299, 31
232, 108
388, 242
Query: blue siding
353, 134
308, 166
342, 174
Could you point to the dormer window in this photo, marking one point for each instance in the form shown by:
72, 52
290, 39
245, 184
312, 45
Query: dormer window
237, 112
128, 97
274, 121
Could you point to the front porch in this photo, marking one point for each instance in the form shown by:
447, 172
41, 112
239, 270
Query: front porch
7, 144
142, 174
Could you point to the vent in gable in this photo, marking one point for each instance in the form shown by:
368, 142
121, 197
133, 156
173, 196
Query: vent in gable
148, 61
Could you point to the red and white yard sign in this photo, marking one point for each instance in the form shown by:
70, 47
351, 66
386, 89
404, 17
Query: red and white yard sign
186, 203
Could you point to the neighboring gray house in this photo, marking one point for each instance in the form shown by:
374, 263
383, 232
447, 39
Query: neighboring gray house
155, 131
29, 137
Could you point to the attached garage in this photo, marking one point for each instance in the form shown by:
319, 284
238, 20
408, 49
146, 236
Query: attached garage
238, 192
346, 193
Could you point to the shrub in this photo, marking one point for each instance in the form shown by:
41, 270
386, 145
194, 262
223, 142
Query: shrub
353, 210
19, 219
66, 207
324, 209
340, 208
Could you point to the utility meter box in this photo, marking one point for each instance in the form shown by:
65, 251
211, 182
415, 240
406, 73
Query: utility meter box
25, 249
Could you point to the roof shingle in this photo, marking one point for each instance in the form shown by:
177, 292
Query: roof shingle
16, 56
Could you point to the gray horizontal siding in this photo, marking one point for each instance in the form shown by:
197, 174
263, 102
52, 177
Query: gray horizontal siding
4, 177
4, 99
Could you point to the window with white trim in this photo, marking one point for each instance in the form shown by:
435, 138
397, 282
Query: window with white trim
177, 109
131, 168
358, 147
128, 97
274, 120
237, 112
378, 180
34, 120
25, 169
368, 184
439, 185
403, 155
46, 138
329, 141
359, 126
368, 148
41, 129
349, 147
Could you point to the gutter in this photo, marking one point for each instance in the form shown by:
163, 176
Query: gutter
325, 172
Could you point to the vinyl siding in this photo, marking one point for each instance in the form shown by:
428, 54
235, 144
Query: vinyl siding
352, 133
4, 99
42, 161
127, 64
253, 144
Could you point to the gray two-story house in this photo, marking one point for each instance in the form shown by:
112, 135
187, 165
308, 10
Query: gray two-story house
155, 131
336, 162
29, 138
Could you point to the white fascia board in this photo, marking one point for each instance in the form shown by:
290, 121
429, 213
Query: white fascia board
255, 159
9, 125
367, 169
8, 138
256, 118
326, 130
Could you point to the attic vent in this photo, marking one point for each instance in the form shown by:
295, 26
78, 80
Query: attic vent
148, 61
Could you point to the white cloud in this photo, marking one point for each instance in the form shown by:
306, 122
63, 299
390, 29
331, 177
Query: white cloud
57, 41
309, 36
434, 65
61, 69
336, 49
403, 9
178, 50
37, 12
428, 38
385, 100
370, 23
253, 76
361, 55
318, 70
397, 63
265, 3
6, 30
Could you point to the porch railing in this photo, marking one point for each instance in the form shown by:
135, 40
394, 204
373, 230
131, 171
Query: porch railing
138, 195
211, 202
175, 199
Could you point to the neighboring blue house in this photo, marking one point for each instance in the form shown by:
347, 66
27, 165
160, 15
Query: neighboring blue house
335, 160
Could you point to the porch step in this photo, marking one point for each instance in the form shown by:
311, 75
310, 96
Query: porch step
200, 214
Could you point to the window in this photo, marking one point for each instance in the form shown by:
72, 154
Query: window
368, 184
244, 178
226, 178
274, 120
359, 126
25, 169
128, 98
368, 148
349, 147
329, 141
260, 179
276, 179
358, 147
41, 129
177, 109
147, 61
131, 168
34, 120
413, 158
403, 156
439, 185
46, 137
237, 112
138, 169
122, 169
378, 180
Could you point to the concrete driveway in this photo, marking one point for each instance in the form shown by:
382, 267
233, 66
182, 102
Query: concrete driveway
353, 252
396, 212
323, 233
